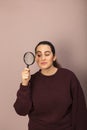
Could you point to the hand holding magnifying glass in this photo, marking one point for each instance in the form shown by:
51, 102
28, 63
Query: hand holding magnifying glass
28, 59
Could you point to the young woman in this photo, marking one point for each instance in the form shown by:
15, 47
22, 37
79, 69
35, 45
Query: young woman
52, 97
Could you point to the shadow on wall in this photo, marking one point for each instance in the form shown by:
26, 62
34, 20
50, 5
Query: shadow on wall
65, 54
68, 58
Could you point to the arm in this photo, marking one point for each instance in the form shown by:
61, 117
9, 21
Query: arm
23, 103
79, 110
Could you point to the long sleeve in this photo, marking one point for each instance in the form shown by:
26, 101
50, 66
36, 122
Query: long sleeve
23, 103
79, 110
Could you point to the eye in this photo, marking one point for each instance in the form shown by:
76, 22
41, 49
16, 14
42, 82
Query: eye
38, 55
47, 53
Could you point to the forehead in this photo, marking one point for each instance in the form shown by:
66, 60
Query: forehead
43, 48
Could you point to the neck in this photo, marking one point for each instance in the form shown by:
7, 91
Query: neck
49, 71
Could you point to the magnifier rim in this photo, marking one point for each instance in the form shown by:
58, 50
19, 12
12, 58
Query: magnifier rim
25, 55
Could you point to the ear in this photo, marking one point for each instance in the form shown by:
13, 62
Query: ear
54, 58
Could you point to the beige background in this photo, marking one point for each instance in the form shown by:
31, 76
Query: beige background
23, 23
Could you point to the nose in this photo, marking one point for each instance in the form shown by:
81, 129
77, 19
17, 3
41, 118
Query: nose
43, 57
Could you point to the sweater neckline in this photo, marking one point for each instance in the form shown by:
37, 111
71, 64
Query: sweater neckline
47, 76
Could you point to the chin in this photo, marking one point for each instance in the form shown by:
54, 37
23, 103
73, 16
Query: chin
43, 67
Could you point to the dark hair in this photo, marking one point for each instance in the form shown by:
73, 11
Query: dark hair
55, 63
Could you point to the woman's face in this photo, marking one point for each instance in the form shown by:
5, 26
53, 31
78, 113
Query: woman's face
44, 56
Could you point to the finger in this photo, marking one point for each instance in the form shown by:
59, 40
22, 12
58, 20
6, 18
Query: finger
27, 69
25, 76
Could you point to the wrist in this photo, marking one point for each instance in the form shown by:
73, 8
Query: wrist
24, 83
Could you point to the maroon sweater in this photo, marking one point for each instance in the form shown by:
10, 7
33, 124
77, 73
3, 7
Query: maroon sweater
53, 102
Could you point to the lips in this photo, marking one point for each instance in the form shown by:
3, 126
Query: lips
43, 63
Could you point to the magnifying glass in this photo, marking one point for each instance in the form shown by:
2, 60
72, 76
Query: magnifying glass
28, 58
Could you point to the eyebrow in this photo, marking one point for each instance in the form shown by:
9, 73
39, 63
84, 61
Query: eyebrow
44, 52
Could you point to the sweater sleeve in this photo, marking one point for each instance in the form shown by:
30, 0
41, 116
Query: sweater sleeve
79, 109
23, 103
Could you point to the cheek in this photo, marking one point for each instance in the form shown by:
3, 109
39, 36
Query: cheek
50, 59
37, 60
